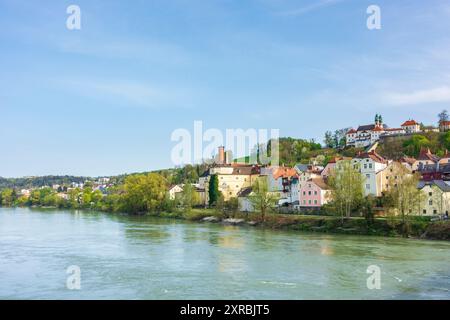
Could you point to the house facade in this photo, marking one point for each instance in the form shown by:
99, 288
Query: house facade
370, 165
436, 197
411, 126
314, 193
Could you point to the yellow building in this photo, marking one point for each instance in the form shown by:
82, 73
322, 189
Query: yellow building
436, 197
232, 179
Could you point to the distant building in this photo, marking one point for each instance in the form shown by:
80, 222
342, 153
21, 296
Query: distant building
411, 126
425, 158
175, 190
444, 126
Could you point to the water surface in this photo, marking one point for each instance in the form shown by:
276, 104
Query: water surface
123, 257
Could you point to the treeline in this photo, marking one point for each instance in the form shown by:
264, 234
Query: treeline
397, 147
37, 182
138, 194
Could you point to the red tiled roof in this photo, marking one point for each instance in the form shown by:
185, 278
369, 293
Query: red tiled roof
408, 160
284, 172
409, 123
351, 131
377, 129
320, 183
444, 123
425, 154
372, 155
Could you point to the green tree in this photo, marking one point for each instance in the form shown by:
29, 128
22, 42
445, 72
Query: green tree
8, 197
328, 140
412, 146
261, 198
189, 197
443, 116
144, 193
213, 190
404, 196
346, 183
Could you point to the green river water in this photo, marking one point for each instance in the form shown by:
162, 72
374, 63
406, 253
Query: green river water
129, 257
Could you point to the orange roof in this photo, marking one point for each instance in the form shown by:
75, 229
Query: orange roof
351, 131
372, 155
284, 172
410, 123
377, 129
444, 123
320, 183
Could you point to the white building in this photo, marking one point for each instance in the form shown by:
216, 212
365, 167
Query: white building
371, 164
411, 126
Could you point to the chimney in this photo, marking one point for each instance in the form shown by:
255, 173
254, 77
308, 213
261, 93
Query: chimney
221, 159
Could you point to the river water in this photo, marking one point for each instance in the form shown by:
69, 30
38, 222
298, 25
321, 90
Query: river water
123, 257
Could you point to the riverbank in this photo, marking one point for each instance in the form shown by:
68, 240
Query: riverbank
419, 227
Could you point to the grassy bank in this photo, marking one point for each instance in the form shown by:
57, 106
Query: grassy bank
418, 227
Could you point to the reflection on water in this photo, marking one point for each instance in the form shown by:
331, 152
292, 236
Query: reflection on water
141, 257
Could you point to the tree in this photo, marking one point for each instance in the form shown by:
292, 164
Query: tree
143, 193
7, 197
328, 140
404, 195
412, 146
213, 190
443, 116
367, 208
261, 198
189, 197
346, 184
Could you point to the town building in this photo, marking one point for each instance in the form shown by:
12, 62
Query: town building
411, 126
314, 193
444, 126
425, 158
370, 165
436, 197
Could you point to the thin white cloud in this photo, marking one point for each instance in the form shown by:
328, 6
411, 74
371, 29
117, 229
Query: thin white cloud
129, 93
310, 7
434, 95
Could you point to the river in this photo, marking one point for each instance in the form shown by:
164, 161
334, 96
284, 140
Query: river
129, 257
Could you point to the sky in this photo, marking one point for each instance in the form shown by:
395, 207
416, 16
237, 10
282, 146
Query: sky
105, 99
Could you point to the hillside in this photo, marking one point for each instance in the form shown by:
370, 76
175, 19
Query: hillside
396, 146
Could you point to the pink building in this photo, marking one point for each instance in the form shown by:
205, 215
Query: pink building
314, 193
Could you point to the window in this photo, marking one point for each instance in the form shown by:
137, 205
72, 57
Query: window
370, 166
430, 202
435, 211
309, 201
367, 186
368, 176
304, 193
315, 201
424, 211
315, 193
309, 193
430, 193
365, 166
304, 201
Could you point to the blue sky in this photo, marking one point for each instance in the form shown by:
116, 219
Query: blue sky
105, 99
